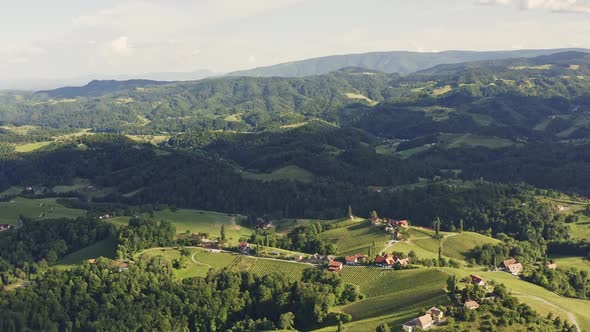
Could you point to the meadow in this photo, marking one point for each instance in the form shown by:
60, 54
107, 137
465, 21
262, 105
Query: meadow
105, 248
44, 208
291, 172
197, 221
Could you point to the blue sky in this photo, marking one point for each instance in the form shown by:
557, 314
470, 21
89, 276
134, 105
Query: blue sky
67, 38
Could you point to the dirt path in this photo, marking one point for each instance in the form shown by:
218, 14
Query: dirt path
570, 315
197, 262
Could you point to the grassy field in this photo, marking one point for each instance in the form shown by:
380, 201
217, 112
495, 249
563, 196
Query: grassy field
579, 263
580, 229
470, 140
291, 172
45, 208
458, 246
105, 248
30, 147
356, 237
197, 221
78, 184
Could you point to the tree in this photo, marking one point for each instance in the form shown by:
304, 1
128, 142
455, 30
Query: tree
461, 225
287, 321
383, 328
222, 233
350, 215
452, 283
437, 226
374, 214
340, 326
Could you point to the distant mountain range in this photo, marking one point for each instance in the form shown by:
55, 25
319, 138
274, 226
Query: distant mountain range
401, 62
52, 83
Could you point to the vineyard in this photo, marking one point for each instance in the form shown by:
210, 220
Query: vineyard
356, 238
361, 275
292, 270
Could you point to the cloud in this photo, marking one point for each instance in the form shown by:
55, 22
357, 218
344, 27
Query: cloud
564, 6
117, 47
20, 53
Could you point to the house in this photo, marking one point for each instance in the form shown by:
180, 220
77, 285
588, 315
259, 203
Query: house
477, 280
264, 224
436, 314
121, 265
552, 266
4, 227
422, 323
28, 190
376, 220
298, 257
512, 266
385, 260
355, 259
91, 261
403, 261
244, 247
207, 243
399, 223
105, 216
397, 236
562, 208
335, 266
471, 305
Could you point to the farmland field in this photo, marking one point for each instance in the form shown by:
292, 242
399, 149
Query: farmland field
579, 263
292, 270
356, 238
105, 248
30, 147
197, 221
45, 208
458, 246
394, 291
285, 173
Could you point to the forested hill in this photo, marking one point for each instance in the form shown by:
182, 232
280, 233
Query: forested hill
387, 62
97, 88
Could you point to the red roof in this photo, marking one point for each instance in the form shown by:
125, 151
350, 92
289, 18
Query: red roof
352, 259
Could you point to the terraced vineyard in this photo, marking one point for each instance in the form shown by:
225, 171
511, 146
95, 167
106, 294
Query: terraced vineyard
292, 270
361, 275
356, 238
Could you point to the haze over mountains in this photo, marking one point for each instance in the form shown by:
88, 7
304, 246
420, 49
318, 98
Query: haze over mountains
401, 62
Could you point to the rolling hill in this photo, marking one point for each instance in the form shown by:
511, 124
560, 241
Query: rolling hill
387, 62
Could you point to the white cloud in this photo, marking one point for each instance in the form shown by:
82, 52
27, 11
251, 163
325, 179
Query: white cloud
569, 6
117, 47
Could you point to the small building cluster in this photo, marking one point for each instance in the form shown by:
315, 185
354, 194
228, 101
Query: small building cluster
335, 266
5, 227
432, 317
244, 247
388, 260
512, 265
355, 259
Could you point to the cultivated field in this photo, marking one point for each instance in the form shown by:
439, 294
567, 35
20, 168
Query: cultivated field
356, 238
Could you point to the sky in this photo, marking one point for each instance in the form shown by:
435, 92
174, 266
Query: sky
42, 39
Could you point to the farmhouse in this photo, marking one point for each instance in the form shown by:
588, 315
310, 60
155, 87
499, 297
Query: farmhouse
552, 266
355, 259
207, 243
335, 266
105, 216
121, 265
436, 314
4, 227
512, 266
244, 247
376, 221
384, 260
399, 223
422, 323
298, 257
563, 208
403, 261
477, 280
264, 224
471, 305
